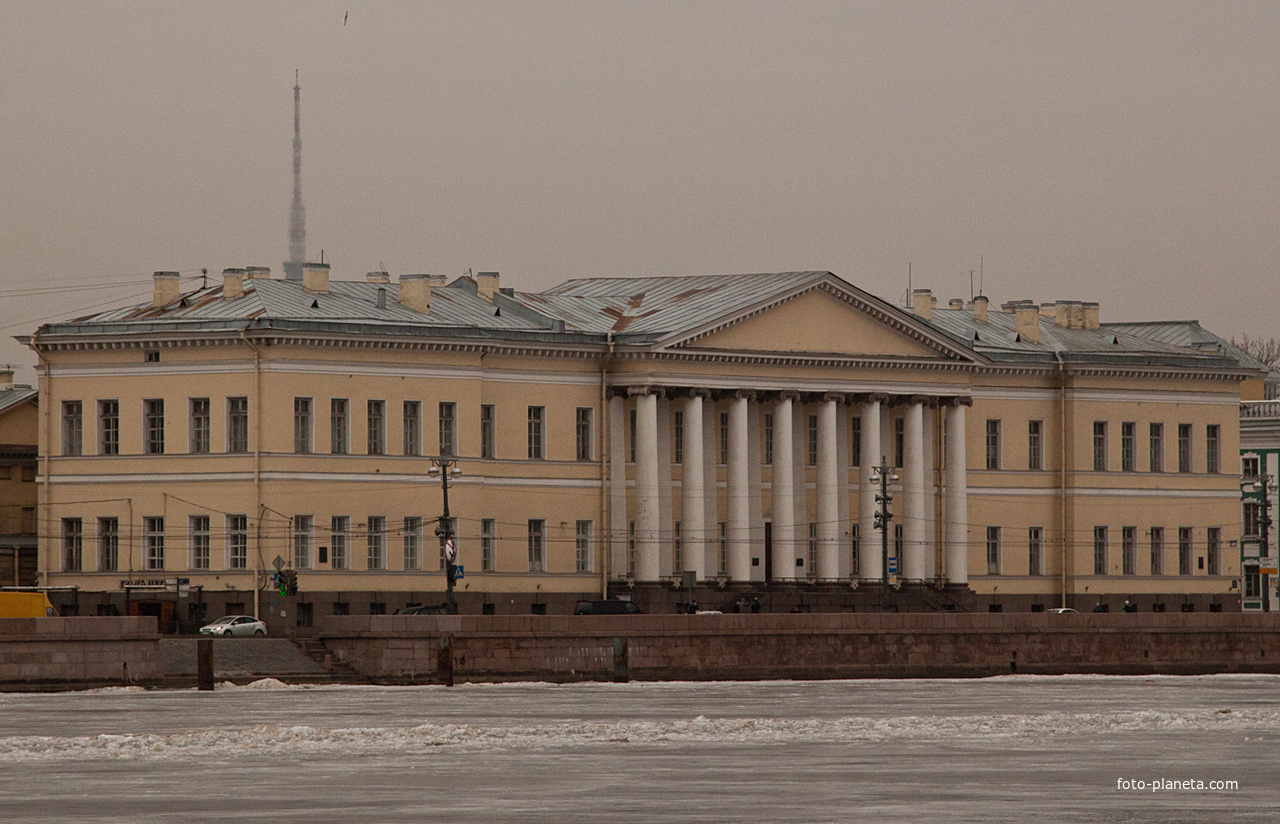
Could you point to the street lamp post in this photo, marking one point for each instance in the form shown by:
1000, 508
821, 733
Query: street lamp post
444, 467
1260, 485
882, 475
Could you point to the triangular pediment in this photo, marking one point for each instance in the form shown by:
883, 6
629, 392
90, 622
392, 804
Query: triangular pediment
819, 321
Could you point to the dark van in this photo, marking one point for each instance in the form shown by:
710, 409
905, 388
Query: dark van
607, 608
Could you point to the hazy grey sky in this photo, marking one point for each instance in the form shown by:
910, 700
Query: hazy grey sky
1123, 152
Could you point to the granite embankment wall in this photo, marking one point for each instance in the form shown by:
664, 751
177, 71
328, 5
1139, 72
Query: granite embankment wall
78, 653
413, 649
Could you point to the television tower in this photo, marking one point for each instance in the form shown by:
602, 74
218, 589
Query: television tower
297, 214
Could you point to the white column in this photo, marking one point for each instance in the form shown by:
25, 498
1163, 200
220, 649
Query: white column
930, 496
755, 482
842, 488
617, 488
666, 522
711, 489
913, 525
828, 490
647, 508
868, 535
693, 522
739, 489
956, 546
784, 521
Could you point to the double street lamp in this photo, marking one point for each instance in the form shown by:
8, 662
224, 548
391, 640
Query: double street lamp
882, 475
445, 468
1261, 486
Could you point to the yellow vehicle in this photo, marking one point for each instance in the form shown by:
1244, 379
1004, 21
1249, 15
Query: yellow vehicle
25, 605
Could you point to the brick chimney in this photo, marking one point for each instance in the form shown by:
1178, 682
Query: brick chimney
980, 309
165, 288
315, 278
378, 277
257, 272
955, 303
415, 291
1026, 321
486, 285
1092, 317
232, 283
922, 301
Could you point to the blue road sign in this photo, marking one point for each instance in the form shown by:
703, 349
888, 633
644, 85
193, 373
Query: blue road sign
457, 572
893, 565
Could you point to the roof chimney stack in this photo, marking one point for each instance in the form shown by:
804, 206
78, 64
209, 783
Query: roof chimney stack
980, 309
165, 288
486, 285
1092, 319
232, 283
257, 272
955, 303
922, 303
315, 278
378, 277
1026, 321
415, 291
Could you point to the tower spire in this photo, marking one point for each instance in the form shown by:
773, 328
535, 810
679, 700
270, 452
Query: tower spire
297, 214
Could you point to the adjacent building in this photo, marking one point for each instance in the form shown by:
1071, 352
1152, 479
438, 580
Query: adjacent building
614, 433
18, 498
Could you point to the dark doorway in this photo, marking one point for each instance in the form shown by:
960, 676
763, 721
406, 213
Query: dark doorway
161, 610
768, 551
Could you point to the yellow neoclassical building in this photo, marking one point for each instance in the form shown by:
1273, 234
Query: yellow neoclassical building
614, 433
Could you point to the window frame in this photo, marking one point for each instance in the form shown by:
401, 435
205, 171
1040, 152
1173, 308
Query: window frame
109, 426
488, 431
153, 426
303, 425
412, 428
992, 444
339, 426
376, 427
72, 428
537, 433
537, 544
1035, 445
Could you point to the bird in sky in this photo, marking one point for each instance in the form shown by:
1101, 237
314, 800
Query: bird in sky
345, 15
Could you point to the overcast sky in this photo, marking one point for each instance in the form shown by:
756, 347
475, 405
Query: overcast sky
1124, 153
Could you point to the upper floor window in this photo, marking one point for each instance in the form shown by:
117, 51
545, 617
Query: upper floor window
537, 530
237, 424
1184, 447
153, 424
993, 550
339, 426
200, 541
900, 441
376, 556
1157, 447
153, 542
724, 439
1099, 550
412, 428
855, 441
339, 541
993, 444
1099, 446
811, 440
677, 436
72, 427
1127, 451
1250, 467
448, 434
377, 428
72, 544
201, 432
536, 416
303, 540
302, 425
488, 435
1035, 445
582, 434
1213, 448
109, 427
582, 547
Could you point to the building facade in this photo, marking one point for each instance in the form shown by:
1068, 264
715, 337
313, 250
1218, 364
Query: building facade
615, 433
18, 497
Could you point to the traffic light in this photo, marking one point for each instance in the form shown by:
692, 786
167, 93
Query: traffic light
291, 582
277, 581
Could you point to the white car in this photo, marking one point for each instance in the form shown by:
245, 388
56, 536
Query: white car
235, 625
1062, 611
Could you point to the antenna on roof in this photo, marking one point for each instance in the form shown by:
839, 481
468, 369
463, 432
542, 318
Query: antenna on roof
981, 267
907, 303
204, 278
971, 286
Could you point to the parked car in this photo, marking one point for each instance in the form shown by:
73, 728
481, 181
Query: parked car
607, 608
1063, 610
235, 625
425, 609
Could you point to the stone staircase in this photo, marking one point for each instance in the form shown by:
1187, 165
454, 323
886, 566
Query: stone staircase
341, 671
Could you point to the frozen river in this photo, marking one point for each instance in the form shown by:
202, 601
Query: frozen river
1015, 749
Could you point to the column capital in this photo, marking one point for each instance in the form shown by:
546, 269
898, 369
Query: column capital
687, 392
877, 397
781, 395
924, 400
646, 389
747, 394
838, 397
958, 400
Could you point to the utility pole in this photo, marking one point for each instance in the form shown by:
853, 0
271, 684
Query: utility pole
1264, 531
882, 475
444, 467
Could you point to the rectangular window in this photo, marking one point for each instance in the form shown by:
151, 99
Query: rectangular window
768, 438
1128, 452
900, 440
993, 444
1184, 550
303, 538
811, 440
302, 426
722, 558
724, 438
200, 434
1184, 447
1099, 446
453, 533
855, 561
582, 434
1129, 550
677, 548
631, 547
631, 430
1035, 550
812, 547
1213, 449
1157, 550
897, 545
1252, 519
488, 544
72, 544
72, 427
677, 436
199, 537
108, 544
855, 441
1213, 549
413, 427
1100, 550
153, 542
237, 424
237, 542
413, 542
536, 416
109, 427
1249, 467
1035, 445
1157, 447
537, 528
1252, 582
339, 426
377, 428
153, 424
993, 550
488, 435
375, 538
339, 541
448, 430
582, 546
